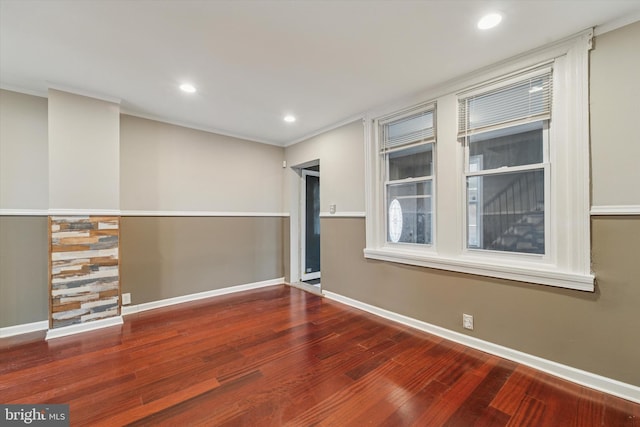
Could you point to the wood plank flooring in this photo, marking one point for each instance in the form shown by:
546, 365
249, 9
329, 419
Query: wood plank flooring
279, 356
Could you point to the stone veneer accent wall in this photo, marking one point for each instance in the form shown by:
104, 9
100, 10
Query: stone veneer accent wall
84, 269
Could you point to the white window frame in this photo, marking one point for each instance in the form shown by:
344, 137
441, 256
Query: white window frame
566, 262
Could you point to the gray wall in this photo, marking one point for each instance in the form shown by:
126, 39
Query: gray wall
615, 150
24, 262
164, 167
24, 161
167, 167
23, 186
165, 257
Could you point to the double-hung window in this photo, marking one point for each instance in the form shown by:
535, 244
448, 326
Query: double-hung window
505, 132
407, 156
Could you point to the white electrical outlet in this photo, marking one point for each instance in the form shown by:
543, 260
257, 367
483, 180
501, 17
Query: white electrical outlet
467, 321
126, 299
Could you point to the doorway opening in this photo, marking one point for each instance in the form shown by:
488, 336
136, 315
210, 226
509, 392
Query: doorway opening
310, 226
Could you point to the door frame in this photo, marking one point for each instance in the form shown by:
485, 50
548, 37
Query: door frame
302, 225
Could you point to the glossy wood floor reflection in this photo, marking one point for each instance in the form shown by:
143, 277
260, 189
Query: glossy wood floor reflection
279, 356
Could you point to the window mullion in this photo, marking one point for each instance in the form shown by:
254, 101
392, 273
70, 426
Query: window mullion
408, 180
506, 169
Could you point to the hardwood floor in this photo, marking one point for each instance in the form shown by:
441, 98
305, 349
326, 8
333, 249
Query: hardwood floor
280, 356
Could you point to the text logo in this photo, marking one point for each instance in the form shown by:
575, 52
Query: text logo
34, 415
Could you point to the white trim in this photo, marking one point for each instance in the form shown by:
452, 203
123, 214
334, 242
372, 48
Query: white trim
617, 23
84, 212
343, 215
325, 129
511, 271
20, 89
372, 203
615, 210
24, 212
132, 309
116, 212
193, 126
83, 327
578, 376
24, 328
201, 213
83, 92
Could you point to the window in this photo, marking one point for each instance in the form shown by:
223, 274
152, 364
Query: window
407, 153
505, 134
506, 192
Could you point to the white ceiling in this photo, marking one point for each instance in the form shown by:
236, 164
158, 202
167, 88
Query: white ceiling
255, 61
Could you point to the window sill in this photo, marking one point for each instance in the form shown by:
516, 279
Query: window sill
543, 274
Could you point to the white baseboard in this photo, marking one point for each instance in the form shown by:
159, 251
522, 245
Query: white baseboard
587, 379
132, 309
83, 327
25, 328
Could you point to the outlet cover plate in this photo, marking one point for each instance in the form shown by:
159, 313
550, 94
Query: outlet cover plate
126, 299
467, 321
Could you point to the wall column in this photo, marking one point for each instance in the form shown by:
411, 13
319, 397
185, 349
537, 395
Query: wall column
84, 206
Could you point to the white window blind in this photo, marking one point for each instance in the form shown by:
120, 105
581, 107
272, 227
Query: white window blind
522, 100
408, 129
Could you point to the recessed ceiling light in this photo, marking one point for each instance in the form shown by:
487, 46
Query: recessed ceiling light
489, 20
186, 87
289, 118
